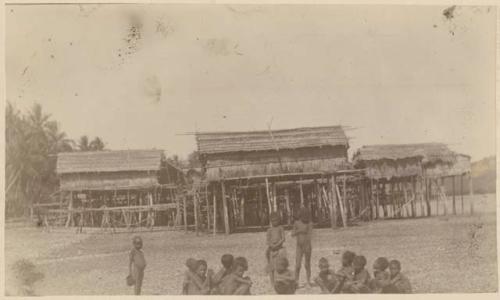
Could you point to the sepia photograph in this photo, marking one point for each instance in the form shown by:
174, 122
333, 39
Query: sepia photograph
249, 149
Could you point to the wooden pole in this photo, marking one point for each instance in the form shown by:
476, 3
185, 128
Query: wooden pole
342, 207
453, 187
195, 208
333, 215
260, 205
275, 198
70, 214
224, 205
438, 187
462, 193
414, 192
377, 198
288, 210
301, 194
344, 193
207, 205
471, 194
428, 195
215, 211
445, 197
184, 204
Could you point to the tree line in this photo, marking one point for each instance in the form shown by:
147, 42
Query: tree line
32, 141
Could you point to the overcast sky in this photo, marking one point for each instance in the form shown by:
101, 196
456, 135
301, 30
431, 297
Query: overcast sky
399, 74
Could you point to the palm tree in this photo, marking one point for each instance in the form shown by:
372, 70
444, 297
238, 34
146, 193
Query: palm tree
83, 143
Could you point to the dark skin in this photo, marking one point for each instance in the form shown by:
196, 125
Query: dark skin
138, 246
201, 278
323, 267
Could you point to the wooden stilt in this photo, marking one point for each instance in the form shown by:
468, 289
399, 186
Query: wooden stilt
184, 207
333, 215
444, 196
462, 193
344, 194
414, 193
195, 210
471, 194
453, 188
261, 206
215, 211
377, 195
438, 187
342, 207
69, 221
224, 205
301, 194
288, 210
275, 198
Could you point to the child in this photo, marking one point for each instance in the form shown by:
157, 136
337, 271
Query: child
399, 284
235, 283
284, 280
137, 264
191, 264
275, 240
302, 230
346, 271
326, 279
199, 281
380, 275
361, 277
227, 267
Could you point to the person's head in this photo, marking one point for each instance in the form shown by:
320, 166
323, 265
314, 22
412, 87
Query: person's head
191, 264
347, 258
358, 263
240, 265
281, 264
394, 267
380, 264
305, 215
137, 242
227, 261
323, 264
275, 219
201, 267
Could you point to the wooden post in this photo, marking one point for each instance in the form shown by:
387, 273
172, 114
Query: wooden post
333, 215
453, 187
438, 187
184, 204
215, 211
471, 194
414, 192
288, 210
462, 193
377, 198
195, 209
207, 205
260, 205
445, 197
344, 193
301, 194
242, 209
69, 221
275, 198
428, 196
363, 198
224, 205
342, 207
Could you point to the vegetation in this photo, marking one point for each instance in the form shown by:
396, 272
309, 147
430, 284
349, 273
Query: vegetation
32, 140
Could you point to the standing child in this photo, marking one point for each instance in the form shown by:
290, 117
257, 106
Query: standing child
302, 230
199, 282
275, 240
235, 283
284, 280
361, 277
227, 261
137, 264
399, 284
380, 276
326, 279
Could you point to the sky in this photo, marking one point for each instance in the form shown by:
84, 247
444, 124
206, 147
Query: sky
142, 76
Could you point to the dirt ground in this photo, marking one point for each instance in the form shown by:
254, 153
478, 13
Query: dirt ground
440, 254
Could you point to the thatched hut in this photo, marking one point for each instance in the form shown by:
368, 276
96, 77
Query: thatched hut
257, 172
119, 188
404, 174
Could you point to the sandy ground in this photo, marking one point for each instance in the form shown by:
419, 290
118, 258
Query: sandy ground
438, 254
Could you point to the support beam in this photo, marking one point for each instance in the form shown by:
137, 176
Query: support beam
342, 207
195, 209
462, 193
224, 205
454, 203
288, 209
215, 211
301, 195
333, 200
471, 194
184, 207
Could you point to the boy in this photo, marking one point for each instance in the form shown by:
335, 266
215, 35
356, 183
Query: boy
302, 230
275, 240
346, 271
284, 280
227, 267
137, 264
380, 275
199, 282
191, 265
399, 284
326, 279
235, 283
361, 277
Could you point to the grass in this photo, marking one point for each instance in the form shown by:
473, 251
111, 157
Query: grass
445, 254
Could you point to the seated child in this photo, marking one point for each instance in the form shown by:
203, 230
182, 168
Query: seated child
399, 284
361, 279
380, 275
326, 280
235, 283
227, 265
191, 269
275, 240
199, 282
346, 271
284, 280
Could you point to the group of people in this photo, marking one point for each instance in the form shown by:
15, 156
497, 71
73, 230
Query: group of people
351, 278
230, 279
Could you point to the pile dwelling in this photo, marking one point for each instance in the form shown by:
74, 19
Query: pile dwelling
249, 175
409, 180
108, 189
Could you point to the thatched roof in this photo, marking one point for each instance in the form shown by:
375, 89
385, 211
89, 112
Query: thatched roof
109, 161
224, 142
428, 153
